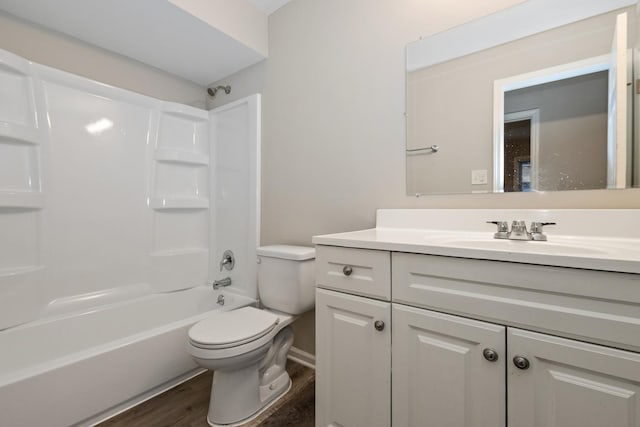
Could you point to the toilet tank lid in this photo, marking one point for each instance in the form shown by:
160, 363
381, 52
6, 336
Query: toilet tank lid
296, 253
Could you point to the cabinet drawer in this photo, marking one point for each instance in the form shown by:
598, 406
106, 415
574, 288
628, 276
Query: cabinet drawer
594, 306
356, 271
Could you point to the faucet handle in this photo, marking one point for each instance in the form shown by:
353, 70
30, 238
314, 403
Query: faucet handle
502, 225
228, 261
503, 229
536, 230
536, 227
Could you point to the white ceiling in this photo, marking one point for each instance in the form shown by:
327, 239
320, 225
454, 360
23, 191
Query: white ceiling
151, 31
268, 6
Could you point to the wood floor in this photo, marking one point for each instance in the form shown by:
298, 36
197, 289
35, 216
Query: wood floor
187, 405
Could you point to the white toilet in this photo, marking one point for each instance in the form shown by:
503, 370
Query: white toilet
247, 348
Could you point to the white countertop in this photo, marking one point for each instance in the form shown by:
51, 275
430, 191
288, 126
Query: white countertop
594, 252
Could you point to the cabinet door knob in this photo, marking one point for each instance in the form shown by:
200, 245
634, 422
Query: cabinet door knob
521, 362
379, 325
347, 270
490, 354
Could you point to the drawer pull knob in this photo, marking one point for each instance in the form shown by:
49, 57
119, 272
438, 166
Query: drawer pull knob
347, 270
490, 354
521, 362
379, 325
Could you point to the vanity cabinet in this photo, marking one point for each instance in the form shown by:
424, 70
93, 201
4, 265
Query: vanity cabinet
474, 343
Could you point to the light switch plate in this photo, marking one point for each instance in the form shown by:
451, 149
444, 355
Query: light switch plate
478, 177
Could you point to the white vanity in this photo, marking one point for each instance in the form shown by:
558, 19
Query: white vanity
427, 320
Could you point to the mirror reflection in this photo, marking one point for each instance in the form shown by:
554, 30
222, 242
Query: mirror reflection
548, 112
554, 135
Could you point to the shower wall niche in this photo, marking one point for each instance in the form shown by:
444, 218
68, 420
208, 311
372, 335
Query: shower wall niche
21, 193
180, 198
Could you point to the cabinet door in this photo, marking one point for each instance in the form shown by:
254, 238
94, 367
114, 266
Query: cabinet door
570, 383
353, 361
441, 376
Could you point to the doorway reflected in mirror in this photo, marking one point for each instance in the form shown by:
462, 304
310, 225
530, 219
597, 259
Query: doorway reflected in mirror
517, 155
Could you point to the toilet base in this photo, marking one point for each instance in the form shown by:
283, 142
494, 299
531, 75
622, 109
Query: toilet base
275, 399
243, 388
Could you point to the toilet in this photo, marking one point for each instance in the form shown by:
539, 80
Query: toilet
247, 348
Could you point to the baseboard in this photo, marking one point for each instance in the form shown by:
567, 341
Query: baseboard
302, 357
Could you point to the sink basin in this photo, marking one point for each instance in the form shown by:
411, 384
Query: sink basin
550, 248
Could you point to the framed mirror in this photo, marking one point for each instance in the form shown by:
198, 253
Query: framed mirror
537, 97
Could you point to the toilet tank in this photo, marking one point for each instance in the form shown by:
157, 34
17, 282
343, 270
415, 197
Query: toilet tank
286, 279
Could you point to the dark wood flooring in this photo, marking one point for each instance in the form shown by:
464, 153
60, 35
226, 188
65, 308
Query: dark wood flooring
186, 405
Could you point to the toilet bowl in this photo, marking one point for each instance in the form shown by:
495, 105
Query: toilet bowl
235, 345
247, 348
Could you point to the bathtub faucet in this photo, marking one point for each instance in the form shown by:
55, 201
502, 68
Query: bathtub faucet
222, 282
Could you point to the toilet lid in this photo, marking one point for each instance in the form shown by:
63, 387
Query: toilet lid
233, 327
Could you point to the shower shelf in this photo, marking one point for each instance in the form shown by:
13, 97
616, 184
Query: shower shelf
161, 203
24, 200
20, 134
182, 157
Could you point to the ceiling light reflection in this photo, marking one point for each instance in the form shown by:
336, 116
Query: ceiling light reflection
99, 126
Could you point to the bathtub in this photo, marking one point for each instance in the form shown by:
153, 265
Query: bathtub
82, 367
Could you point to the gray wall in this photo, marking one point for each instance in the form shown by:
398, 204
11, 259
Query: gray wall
65, 53
333, 124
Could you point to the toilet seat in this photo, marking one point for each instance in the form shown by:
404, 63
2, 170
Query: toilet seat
232, 328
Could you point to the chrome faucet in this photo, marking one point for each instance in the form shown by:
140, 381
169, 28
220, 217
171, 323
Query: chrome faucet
519, 230
503, 229
536, 231
222, 282
228, 261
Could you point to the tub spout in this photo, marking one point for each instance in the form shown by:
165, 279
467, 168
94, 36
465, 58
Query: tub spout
222, 282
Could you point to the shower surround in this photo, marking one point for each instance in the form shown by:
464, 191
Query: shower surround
115, 209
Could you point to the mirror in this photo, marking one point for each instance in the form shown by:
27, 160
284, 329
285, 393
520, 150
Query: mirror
534, 104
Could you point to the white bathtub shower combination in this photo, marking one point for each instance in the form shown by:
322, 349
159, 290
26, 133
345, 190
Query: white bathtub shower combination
115, 209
